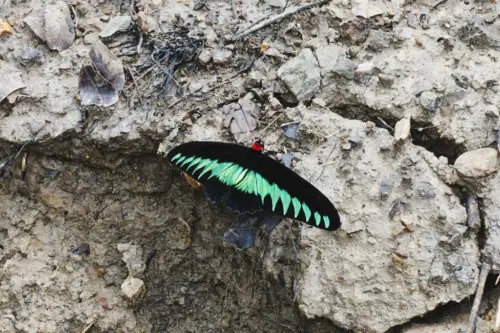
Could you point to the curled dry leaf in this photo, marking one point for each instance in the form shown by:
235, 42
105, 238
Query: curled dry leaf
101, 83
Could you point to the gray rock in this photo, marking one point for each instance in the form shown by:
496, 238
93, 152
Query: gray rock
276, 3
386, 80
221, 56
301, 75
59, 28
428, 100
402, 128
491, 214
477, 163
116, 25
205, 57
132, 257
376, 286
10, 80
378, 40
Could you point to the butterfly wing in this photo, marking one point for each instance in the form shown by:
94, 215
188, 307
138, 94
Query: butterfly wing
250, 179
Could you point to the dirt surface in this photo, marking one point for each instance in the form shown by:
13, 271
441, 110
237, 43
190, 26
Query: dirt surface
98, 233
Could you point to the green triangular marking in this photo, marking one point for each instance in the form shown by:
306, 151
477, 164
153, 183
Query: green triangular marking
175, 157
240, 176
220, 168
203, 163
275, 195
264, 188
326, 220
226, 175
307, 211
317, 217
186, 161
208, 168
180, 160
285, 200
193, 162
296, 207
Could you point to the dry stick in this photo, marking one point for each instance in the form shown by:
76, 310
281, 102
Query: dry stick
136, 86
485, 270
279, 17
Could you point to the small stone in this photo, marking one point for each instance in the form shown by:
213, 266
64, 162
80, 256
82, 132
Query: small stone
104, 18
65, 65
221, 56
386, 80
276, 3
402, 128
205, 57
461, 80
365, 68
490, 18
346, 146
116, 25
133, 289
319, 102
477, 163
378, 40
351, 228
428, 100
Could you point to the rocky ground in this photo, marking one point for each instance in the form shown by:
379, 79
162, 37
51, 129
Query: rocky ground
397, 105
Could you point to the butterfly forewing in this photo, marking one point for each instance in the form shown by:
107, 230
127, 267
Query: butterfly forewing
248, 180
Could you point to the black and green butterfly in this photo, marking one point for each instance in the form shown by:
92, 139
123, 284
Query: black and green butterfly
248, 181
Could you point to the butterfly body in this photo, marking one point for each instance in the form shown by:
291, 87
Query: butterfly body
248, 181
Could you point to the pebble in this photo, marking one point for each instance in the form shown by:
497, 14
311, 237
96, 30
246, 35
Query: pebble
402, 128
428, 100
117, 24
221, 56
477, 163
205, 57
133, 289
386, 80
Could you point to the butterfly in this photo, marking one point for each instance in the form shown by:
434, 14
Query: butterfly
253, 184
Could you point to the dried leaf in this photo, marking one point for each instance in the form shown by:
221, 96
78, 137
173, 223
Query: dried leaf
101, 83
5, 28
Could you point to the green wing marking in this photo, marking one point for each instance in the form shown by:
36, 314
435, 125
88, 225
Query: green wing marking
296, 207
193, 162
285, 200
176, 157
307, 211
202, 164
186, 161
208, 168
248, 181
317, 217
275, 195
326, 220
182, 158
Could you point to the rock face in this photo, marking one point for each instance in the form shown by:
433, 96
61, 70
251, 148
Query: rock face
301, 75
412, 223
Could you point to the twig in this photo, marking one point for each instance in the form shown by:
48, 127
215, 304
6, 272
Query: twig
270, 124
485, 270
88, 327
385, 124
136, 87
279, 17
437, 4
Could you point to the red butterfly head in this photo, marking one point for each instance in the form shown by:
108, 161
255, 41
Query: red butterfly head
258, 145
